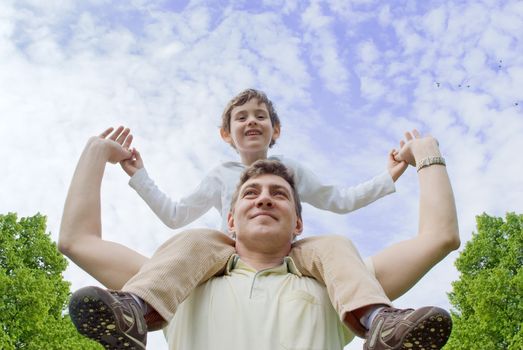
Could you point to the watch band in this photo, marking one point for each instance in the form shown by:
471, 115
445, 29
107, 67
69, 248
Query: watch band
425, 162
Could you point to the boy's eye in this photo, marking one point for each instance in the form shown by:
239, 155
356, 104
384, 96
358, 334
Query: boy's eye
261, 117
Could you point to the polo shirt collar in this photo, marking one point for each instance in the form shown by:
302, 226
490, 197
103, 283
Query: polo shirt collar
288, 266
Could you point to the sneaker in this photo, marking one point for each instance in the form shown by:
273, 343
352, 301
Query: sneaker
425, 328
113, 319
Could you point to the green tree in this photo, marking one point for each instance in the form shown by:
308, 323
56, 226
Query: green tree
33, 293
488, 297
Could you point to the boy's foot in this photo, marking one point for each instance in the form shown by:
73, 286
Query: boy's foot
425, 328
113, 319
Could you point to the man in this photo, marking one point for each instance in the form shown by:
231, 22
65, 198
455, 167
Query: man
265, 217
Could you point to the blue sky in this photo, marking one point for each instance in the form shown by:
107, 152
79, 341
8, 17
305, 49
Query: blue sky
347, 78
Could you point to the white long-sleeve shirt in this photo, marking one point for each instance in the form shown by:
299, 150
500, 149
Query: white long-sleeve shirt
218, 185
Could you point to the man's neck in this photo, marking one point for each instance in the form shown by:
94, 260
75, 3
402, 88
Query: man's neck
260, 261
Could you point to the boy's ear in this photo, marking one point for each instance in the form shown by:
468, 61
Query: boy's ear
226, 136
275, 132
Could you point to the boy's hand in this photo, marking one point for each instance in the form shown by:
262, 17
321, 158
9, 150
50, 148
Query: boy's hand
132, 164
395, 167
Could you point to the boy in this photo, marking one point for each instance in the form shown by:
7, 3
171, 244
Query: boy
251, 125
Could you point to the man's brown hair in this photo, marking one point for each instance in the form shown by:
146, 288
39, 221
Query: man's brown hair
241, 99
272, 167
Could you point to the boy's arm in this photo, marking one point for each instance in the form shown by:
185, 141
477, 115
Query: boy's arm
340, 199
174, 213
80, 230
346, 199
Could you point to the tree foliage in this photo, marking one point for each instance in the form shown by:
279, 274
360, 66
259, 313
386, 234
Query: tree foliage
488, 297
33, 293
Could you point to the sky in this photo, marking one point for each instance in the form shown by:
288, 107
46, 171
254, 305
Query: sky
347, 77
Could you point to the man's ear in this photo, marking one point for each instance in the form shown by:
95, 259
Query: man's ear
230, 223
299, 227
226, 136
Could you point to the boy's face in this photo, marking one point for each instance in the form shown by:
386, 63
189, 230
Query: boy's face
251, 130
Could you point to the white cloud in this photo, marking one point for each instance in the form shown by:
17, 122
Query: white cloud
285, 6
384, 15
371, 89
435, 22
324, 48
368, 53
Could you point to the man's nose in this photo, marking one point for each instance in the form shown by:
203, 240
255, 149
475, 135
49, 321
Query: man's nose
264, 201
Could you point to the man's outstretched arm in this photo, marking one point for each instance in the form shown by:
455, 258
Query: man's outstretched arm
399, 266
80, 232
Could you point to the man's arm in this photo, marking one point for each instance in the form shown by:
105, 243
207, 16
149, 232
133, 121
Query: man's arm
80, 232
401, 265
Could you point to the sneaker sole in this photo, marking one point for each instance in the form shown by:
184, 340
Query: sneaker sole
430, 334
93, 317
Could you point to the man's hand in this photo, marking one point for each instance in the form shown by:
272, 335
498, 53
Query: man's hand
115, 144
416, 148
132, 164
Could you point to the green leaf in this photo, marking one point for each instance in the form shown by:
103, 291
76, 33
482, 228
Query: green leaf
33, 294
488, 297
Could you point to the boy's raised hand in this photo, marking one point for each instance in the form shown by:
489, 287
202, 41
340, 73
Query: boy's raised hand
395, 167
132, 164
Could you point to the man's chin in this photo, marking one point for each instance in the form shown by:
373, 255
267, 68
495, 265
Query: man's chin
265, 228
265, 218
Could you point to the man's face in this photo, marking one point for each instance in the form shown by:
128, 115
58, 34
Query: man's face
251, 130
265, 213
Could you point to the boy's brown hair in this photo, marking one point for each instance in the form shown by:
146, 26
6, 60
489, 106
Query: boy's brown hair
272, 167
244, 97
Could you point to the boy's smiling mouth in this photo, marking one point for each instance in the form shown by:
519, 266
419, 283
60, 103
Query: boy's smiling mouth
252, 132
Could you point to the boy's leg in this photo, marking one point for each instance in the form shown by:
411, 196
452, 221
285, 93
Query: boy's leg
180, 265
359, 299
335, 262
117, 320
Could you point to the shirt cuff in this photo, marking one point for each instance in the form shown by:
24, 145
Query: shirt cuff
139, 179
388, 183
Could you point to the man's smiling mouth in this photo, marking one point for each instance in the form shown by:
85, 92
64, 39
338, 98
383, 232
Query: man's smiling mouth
264, 214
